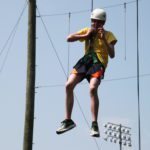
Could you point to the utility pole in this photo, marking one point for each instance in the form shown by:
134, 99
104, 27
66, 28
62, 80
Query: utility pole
30, 85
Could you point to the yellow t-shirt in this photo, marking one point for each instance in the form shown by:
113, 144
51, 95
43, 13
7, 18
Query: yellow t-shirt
98, 45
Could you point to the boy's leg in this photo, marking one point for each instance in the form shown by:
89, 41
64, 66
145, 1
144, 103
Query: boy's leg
73, 80
68, 124
94, 83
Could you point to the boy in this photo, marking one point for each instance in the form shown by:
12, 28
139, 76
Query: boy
99, 44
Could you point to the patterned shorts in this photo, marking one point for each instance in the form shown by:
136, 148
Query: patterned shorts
90, 66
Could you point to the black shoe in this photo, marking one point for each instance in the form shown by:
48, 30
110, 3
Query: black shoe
94, 129
66, 125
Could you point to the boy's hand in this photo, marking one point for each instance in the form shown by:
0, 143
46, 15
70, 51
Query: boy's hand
101, 33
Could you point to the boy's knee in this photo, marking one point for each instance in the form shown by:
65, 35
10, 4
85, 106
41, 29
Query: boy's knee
93, 90
69, 86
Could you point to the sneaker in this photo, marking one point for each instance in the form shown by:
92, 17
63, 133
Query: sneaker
94, 129
66, 125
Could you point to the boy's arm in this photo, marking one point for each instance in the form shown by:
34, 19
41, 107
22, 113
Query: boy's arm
76, 36
110, 46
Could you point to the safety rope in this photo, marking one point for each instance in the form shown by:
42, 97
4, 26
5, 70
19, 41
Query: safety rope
125, 31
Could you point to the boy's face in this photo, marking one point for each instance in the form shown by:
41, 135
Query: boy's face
97, 23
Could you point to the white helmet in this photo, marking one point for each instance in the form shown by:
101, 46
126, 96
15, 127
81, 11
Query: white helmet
98, 14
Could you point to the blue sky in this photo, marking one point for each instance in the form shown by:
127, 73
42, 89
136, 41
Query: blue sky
117, 92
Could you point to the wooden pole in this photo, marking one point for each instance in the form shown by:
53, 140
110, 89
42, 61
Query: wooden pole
30, 85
